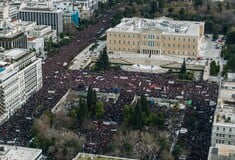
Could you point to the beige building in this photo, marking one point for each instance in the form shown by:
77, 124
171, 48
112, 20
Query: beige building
156, 36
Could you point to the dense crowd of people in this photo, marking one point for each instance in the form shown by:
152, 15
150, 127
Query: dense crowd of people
202, 94
57, 78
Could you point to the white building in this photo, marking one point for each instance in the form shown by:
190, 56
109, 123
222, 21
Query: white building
223, 131
20, 77
43, 16
36, 34
4, 10
43, 31
8, 152
36, 43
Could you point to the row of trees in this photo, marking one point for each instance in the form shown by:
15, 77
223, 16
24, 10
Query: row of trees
138, 116
228, 51
87, 108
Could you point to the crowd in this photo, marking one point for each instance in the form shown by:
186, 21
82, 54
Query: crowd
57, 78
202, 94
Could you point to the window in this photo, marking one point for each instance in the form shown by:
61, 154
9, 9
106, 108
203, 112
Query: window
229, 136
223, 129
151, 36
150, 43
230, 129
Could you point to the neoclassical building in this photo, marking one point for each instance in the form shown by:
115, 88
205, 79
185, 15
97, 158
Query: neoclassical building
156, 36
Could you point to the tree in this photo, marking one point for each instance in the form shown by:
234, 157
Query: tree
137, 116
214, 68
215, 33
83, 110
231, 64
209, 26
144, 105
182, 74
231, 36
103, 61
128, 114
99, 108
91, 99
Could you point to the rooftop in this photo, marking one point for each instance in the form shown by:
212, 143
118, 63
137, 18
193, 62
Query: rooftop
225, 114
15, 53
39, 8
221, 152
8, 152
163, 25
85, 156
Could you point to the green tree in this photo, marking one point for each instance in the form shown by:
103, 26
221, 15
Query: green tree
91, 100
231, 64
209, 26
215, 33
128, 114
83, 110
144, 105
231, 36
138, 117
103, 61
99, 108
214, 68
182, 74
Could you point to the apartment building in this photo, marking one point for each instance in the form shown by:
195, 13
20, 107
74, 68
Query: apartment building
20, 77
161, 36
223, 130
43, 16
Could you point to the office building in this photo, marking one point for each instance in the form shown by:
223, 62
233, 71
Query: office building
8, 152
20, 77
161, 36
43, 16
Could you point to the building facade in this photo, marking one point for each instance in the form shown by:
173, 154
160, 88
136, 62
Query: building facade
11, 40
155, 37
223, 130
43, 16
20, 77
